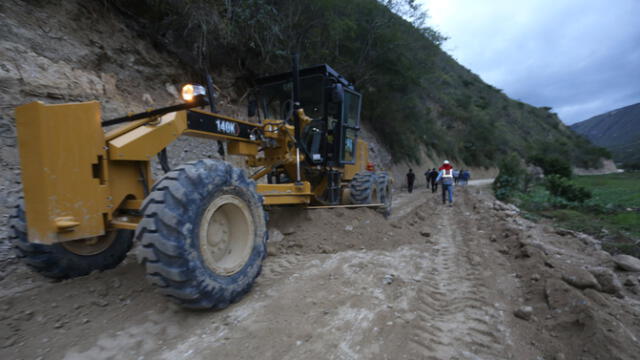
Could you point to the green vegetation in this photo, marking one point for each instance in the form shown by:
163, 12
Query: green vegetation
552, 165
415, 95
562, 187
612, 213
510, 178
622, 190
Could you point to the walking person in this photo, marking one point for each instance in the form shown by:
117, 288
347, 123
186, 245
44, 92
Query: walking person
434, 184
411, 178
427, 177
466, 176
445, 176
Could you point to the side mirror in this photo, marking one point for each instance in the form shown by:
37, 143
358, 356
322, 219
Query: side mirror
252, 107
337, 93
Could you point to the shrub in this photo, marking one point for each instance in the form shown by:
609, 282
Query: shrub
552, 165
561, 187
509, 178
630, 165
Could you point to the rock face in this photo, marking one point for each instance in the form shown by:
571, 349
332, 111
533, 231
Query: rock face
61, 52
628, 263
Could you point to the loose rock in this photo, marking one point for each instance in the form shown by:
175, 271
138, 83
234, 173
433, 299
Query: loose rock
630, 282
100, 303
275, 236
272, 251
559, 356
524, 312
288, 231
608, 280
388, 279
580, 278
562, 297
628, 263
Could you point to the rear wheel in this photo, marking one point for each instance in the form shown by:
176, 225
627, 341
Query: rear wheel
70, 258
203, 234
385, 190
364, 188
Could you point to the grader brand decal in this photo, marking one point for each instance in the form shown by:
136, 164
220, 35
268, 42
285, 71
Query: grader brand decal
227, 127
213, 124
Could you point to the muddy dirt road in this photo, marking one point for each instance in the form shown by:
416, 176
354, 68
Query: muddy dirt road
432, 282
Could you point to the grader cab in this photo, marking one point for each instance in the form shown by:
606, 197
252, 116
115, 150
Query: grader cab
201, 227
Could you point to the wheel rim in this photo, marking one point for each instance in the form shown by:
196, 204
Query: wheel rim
226, 235
90, 246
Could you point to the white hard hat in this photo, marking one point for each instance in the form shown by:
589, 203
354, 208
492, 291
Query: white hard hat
446, 162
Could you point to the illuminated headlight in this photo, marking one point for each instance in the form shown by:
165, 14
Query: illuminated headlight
190, 91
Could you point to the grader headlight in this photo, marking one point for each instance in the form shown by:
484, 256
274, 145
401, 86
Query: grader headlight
191, 91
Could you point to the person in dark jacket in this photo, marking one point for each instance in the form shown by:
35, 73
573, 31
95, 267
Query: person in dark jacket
427, 177
433, 176
411, 178
466, 175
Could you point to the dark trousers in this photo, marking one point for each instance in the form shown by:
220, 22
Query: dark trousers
434, 186
410, 186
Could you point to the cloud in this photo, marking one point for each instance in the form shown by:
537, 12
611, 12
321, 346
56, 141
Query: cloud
581, 57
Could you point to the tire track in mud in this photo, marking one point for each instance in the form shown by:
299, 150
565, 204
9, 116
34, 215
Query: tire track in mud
454, 316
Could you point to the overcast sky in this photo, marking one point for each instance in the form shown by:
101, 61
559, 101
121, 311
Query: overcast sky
581, 57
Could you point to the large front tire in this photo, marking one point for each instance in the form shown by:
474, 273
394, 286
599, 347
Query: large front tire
72, 258
364, 188
203, 234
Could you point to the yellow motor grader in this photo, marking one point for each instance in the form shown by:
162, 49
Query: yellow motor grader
202, 226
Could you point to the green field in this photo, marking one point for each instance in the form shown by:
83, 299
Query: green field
612, 214
615, 189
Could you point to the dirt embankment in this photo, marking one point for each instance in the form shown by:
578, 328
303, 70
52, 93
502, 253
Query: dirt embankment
472, 281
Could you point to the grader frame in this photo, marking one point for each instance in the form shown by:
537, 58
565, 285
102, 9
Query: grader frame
80, 182
202, 226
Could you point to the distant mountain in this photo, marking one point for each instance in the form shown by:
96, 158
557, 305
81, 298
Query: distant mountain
617, 130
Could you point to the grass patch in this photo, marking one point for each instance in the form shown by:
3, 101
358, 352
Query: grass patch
612, 214
621, 190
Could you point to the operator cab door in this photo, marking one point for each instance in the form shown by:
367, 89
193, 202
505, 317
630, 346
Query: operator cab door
349, 126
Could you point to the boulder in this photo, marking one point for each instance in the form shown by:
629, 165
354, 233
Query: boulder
580, 278
589, 241
564, 298
608, 280
628, 263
